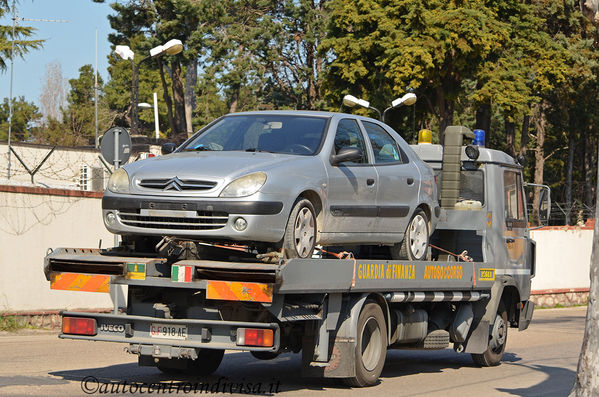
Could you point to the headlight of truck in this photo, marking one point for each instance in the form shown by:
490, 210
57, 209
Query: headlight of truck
244, 186
119, 181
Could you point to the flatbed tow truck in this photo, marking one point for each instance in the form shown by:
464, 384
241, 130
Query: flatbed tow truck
182, 312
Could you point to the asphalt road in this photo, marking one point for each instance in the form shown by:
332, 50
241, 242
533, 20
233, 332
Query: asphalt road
539, 361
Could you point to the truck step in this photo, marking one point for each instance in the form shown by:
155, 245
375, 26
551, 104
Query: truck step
438, 339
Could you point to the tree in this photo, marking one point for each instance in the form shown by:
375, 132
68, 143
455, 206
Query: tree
55, 88
587, 376
22, 45
25, 119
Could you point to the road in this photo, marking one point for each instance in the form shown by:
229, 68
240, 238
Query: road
539, 361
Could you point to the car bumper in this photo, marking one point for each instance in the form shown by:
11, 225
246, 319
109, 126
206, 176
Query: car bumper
197, 218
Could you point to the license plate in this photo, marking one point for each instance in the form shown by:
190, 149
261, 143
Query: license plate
168, 331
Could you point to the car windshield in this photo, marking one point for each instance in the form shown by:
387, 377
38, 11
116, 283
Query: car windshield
300, 135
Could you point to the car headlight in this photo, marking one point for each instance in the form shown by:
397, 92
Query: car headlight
119, 181
244, 186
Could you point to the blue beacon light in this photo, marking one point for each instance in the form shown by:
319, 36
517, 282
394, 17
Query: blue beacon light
479, 138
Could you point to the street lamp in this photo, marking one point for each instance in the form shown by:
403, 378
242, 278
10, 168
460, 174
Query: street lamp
351, 101
171, 47
145, 105
407, 100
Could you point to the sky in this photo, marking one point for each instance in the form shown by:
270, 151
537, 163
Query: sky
71, 43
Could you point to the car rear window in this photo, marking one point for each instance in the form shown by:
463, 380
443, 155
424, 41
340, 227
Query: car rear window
299, 135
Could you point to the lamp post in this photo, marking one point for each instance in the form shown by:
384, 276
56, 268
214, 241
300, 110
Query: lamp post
171, 47
407, 100
351, 101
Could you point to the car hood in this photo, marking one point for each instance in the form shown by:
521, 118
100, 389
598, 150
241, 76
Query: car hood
219, 167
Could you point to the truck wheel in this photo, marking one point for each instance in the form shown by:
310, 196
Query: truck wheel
414, 246
207, 362
300, 233
497, 342
371, 346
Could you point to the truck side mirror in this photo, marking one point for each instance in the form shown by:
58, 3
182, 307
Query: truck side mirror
346, 154
167, 148
543, 210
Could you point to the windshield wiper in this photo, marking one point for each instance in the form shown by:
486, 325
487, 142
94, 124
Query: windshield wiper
200, 148
253, 149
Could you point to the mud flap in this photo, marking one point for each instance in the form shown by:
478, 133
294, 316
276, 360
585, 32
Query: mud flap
526, 315
341, 360
478, 341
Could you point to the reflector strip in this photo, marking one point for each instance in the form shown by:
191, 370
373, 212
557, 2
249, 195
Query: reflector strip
136, 271
181, 273
239, 291
80, 282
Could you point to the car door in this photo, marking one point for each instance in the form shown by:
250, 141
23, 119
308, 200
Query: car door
399, 180
352, 186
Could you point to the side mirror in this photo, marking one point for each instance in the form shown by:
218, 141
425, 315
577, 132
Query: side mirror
167, 148
346, 154
543, 210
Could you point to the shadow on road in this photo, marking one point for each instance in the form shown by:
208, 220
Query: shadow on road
558, 382
242, 368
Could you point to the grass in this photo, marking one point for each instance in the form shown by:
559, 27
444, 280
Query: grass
560, 306
14, 323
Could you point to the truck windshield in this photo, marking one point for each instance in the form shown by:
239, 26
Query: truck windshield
300, 135
472, 185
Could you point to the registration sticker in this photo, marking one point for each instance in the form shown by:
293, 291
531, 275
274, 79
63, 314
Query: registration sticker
168, 331
486, 274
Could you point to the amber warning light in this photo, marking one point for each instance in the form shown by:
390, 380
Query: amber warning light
79, 326
254, 337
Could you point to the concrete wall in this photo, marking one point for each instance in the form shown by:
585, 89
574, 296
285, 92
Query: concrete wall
32, 220
563, 258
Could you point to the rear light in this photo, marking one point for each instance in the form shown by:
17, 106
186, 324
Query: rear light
79, 326
255, 337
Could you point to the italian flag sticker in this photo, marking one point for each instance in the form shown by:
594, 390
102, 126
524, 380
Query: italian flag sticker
181, 273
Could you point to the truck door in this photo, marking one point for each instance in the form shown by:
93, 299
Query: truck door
516, 225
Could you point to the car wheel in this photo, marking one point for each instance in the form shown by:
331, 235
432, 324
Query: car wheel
414, 246
300, 233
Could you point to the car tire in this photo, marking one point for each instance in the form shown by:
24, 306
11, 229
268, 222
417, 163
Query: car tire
207, 362
371, 346
300, 232
497, 341
414, 246
261, 355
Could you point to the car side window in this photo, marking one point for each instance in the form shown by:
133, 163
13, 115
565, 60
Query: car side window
348, 134
384, 147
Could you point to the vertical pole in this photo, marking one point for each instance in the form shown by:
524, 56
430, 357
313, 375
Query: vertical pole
116, 167
12, 56
96, 91
133, 98
156, 126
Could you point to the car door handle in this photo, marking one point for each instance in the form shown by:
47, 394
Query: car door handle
370, 181
510, 240
410, 181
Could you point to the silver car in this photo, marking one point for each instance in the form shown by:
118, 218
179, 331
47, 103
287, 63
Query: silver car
282, 179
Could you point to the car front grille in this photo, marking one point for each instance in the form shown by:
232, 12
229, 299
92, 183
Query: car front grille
177, 184
204, 220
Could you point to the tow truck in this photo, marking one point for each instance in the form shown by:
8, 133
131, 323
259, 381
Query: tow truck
185, 308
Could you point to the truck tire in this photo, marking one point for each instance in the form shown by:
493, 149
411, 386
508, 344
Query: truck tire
414, 246
497, 341
300, 232
371, 346
207, 362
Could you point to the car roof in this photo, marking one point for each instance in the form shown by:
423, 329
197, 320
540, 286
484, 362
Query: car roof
312, 113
